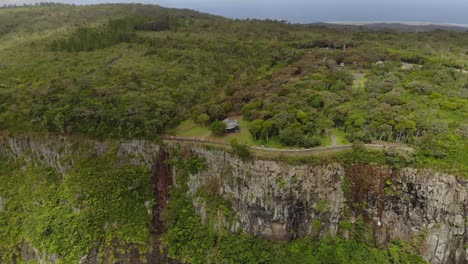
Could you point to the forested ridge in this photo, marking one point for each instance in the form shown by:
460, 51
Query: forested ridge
135, 71
118, 72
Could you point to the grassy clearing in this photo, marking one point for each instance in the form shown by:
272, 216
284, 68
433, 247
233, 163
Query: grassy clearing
242, 136
188, 128
272, 143
359, 82
341, 136
325, 141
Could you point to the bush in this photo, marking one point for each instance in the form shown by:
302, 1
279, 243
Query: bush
310, 141
68, 214
218, 128
291, 136
242, 151
435, 146
202, 119
359, 136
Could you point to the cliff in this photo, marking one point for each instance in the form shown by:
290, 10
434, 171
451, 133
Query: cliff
280, 201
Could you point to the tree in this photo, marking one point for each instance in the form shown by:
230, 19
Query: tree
355, 120
316, 101
283, 119
358, 135
255, 128
203, 118
338, 86
250, 108
218, 128
384, 85
394, 97
385, 130
324, 123
302, 116
310, 141
267, 129
292, 135
216, 111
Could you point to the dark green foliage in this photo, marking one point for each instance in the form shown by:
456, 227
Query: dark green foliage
88, 39
96, 201
444, 151
359, 155
188, 239
241, 150
398, 160
137, 89
436, 146
250, 110
218, 128
310, 141
292, 135
160, 23
261, 129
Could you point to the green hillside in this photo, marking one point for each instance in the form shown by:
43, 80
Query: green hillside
115, 72
136, 71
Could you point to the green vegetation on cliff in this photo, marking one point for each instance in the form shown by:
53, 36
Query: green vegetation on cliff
191, 241
93, 205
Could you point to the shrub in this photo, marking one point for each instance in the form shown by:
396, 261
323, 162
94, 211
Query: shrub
310, 141
242, 151
218, 128
291, 136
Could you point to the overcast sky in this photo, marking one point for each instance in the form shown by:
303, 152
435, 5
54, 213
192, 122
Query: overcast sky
438, 11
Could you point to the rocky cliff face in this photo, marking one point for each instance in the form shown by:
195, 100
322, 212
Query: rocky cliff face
281, 202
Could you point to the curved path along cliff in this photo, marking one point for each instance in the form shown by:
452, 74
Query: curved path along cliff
333, 147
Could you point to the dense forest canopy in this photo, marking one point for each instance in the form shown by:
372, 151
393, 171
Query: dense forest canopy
135, 71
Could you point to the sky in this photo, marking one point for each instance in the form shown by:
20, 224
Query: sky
305, 11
